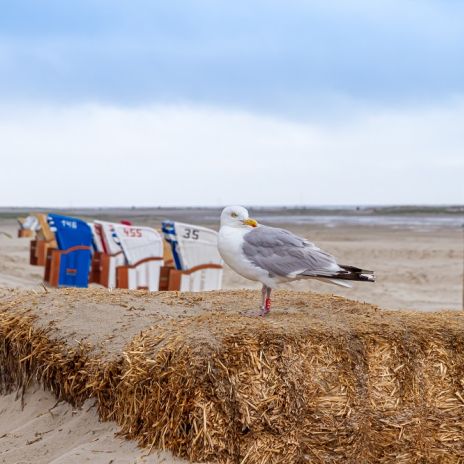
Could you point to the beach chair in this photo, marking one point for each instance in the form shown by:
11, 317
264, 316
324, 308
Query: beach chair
45, 240
165, 270
112, 254
68, 265
97, 252
27, 226
198, 265
143, 250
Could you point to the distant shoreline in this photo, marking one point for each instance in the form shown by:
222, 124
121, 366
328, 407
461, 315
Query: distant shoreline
276, 210
417, 217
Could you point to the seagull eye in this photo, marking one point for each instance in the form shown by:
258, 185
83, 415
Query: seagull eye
234, 215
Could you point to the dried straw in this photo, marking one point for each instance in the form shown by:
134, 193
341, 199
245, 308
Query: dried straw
336, 381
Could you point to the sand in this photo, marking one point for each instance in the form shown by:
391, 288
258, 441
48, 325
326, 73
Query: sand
418, 269
41, 431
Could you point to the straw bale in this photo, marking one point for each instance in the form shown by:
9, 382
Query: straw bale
323, 379
28, 354
263, 393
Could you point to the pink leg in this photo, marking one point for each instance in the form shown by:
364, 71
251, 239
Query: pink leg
267, 305
263, 296
266, 301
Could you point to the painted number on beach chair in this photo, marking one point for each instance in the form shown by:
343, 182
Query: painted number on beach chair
133, 233
70, 224
191, 233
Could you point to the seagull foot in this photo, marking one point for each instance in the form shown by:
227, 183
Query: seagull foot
265, 310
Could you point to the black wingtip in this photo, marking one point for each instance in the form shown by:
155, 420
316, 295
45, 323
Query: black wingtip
356, 273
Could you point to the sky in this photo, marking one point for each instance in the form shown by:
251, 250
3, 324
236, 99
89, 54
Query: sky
202, 102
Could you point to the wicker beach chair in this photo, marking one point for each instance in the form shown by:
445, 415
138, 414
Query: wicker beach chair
197, 263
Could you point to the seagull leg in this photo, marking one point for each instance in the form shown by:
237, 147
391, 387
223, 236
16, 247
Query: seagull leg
267, 302
263, 300
262, 308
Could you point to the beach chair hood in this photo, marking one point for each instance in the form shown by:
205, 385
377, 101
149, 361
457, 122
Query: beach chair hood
139, 243
191, 245
69, 231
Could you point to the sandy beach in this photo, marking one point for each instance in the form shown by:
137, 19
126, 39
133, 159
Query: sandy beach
416, 269
36, 429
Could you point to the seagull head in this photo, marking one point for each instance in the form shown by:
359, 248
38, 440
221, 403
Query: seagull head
236, 216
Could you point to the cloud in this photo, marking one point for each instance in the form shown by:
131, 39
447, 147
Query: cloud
101, 155
298, 58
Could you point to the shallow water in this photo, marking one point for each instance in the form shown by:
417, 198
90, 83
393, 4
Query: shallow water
400, 221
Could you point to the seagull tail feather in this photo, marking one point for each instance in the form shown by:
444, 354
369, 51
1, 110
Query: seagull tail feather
345, 273
355, 273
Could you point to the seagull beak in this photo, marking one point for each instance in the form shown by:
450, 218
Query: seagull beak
250, 222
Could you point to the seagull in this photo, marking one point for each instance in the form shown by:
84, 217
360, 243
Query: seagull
274, 256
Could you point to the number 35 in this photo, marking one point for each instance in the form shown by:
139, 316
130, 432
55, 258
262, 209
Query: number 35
191, 233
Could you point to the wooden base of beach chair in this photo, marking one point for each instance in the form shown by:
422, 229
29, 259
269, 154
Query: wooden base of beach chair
96, 268
53, 266
33, 252
108, 268
165, 273
26, 233
48, 265
38, 252
104, 269
52, 269
176, 277
127, 275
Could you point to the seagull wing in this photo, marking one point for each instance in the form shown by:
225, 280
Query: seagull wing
282, 253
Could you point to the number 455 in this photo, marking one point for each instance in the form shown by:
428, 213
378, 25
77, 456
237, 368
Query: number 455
191, 233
